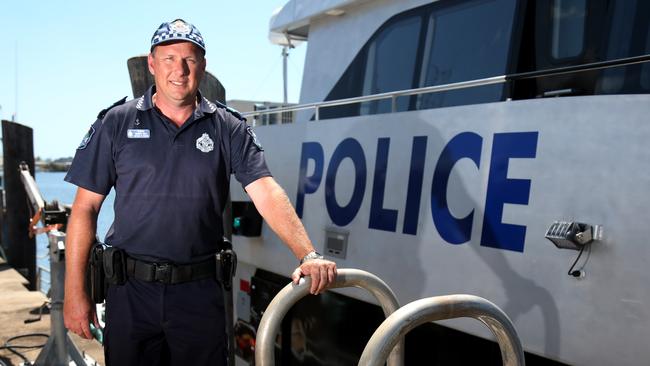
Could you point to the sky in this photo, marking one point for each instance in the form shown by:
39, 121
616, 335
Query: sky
61, 62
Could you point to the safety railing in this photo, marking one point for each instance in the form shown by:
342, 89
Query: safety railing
393, 95
290, 294
395, 327
387, 343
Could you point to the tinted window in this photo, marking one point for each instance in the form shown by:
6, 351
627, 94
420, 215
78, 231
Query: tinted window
619, 45
645, 69
466, 42
390, 64
454, 40
629, 35
568, 17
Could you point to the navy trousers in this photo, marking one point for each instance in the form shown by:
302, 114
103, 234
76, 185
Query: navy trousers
150, 323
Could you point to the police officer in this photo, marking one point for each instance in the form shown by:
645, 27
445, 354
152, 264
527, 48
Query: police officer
169, 156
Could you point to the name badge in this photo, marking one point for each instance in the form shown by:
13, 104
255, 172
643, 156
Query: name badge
137, 134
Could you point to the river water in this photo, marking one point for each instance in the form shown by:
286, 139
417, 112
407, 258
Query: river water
53, 187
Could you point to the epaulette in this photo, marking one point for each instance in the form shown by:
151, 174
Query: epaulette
232, 111
104, 111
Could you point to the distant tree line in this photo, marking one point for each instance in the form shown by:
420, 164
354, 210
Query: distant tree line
52, 165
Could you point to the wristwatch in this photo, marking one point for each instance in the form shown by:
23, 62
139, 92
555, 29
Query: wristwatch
310, 256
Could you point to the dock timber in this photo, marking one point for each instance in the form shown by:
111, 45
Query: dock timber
18, 304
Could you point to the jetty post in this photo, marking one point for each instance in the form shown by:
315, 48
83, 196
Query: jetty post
17, 147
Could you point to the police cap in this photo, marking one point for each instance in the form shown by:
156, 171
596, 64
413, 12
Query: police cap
177, 30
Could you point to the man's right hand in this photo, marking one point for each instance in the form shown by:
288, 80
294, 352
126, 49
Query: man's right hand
78, 309
78, 312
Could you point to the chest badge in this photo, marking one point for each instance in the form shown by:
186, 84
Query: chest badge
205, 143
136, 133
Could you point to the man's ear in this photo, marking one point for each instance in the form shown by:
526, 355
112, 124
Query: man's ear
150, 63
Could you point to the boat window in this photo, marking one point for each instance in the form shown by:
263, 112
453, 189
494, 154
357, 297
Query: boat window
568, 19
628, 36
618, 45
390, 64
645, 69
466, 42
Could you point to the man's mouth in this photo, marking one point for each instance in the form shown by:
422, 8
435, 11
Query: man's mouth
178, 83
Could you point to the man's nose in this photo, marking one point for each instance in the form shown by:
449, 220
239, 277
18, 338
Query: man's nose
182, 67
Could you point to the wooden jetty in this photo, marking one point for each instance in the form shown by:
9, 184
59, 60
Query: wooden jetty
18, 304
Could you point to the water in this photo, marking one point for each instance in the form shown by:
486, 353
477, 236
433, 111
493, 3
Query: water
53, 187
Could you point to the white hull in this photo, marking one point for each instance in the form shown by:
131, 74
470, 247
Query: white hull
590, 165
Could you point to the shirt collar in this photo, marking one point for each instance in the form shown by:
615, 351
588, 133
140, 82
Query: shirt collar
145, 103
205, 106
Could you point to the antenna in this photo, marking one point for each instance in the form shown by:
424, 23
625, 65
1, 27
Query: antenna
285, 55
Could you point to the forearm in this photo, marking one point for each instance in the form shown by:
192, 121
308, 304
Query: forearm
274, 206
279, 214
78, 310
82, 227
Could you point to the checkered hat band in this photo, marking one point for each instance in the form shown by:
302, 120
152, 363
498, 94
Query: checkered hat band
166, 36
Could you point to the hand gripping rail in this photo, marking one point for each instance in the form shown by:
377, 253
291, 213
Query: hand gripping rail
430, 309
290, 294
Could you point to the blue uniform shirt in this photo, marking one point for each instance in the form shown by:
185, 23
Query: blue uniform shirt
171, 183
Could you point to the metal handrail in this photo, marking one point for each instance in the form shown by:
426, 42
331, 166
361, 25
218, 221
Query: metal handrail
438, 308
290, 294
453, 86
386, 95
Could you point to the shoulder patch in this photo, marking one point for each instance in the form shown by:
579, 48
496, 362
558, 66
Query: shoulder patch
232, 111
86, 139
252, 134
104, 111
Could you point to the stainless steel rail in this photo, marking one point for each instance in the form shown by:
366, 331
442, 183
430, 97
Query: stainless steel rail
444, 307
393, 95
290, 294
34, 195
453, 86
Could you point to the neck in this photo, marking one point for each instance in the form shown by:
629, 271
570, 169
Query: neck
177, 113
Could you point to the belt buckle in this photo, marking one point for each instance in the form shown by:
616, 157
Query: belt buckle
162, 272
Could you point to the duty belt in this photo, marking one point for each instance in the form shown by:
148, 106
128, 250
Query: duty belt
170, 273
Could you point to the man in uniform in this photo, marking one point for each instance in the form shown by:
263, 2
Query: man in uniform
169, 156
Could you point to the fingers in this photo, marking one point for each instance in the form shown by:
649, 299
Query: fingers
322, 273
331, 273
81, 329
85, 331
295, 276
315, 281
96, 321
323, 279
78, 312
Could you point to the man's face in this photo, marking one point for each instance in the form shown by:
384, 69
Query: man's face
177, 67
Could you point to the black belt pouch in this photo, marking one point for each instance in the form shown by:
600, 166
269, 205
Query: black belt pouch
115, 266
96, 273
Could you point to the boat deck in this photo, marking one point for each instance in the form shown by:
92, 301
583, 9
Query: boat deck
17, 304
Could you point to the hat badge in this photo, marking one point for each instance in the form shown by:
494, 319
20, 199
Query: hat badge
179, 26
